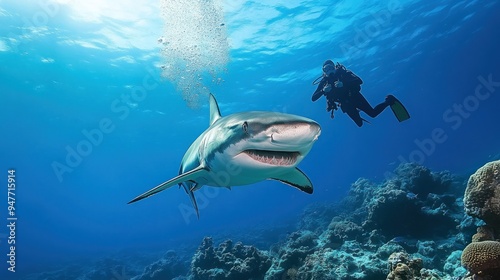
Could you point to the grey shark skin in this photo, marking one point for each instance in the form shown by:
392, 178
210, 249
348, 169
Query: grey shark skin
245, 148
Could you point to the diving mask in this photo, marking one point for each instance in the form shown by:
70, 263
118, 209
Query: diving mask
328, 69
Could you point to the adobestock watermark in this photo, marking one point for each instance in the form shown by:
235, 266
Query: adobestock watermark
37, 21
92, 138
454, 118
48, 10
370, 30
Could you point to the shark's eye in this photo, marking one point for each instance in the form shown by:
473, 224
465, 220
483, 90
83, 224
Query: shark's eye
245, 127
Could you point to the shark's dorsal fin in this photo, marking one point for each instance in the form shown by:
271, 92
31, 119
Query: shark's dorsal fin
296, 179
214, 110
187, 176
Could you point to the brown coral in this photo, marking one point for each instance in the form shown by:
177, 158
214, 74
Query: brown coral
396, 258
400, 272
482, 257
482, 195
402, 267
483, 233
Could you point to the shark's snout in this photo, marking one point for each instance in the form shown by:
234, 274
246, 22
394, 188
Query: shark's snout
315, 130
296, 134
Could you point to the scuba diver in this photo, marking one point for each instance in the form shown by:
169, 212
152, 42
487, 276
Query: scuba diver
341, 87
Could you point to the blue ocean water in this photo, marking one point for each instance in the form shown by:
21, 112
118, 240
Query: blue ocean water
93, 77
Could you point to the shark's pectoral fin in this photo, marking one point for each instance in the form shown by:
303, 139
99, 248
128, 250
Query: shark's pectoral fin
296, 179
190, 192
190, 175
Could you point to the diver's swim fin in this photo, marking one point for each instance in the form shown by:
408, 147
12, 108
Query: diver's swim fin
399, 110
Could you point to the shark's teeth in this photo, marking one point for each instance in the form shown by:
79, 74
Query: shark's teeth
273, 157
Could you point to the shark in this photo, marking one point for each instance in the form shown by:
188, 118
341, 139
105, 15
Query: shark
245, 148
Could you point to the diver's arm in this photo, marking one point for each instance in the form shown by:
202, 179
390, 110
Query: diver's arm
319, 91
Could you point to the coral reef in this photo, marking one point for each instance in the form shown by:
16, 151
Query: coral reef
482, 259
421, 181
376, 220
350, 261
482, 200
228, 261
292, 255
340, 230
482, 195
483, 233
453, 266
410, 227
409, 194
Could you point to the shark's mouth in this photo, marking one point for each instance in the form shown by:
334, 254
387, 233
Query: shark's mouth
273, 157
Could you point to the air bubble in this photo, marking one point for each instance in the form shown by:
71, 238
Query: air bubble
197, 44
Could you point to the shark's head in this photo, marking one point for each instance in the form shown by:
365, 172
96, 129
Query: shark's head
245, 148
265, 139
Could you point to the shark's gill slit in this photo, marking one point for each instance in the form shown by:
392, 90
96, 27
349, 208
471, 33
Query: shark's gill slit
273, 157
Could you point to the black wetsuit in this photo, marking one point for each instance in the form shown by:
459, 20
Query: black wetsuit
349, 96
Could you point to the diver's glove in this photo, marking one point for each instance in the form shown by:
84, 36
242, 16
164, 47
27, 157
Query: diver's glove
338, 84
327, 88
